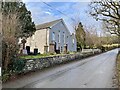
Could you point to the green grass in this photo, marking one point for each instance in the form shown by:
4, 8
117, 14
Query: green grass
35, 56
42, 55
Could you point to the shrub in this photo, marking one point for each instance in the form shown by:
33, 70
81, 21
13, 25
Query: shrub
17, 66
52, 53
5, 77
68, 53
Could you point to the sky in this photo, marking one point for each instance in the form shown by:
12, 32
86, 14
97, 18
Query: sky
42, 13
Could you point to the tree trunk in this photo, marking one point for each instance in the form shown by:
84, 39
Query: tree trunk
7, 58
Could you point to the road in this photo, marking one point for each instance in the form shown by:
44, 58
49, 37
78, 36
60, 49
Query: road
93, 72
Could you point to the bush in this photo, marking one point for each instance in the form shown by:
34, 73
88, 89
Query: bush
68, 53
5, 77
52, 53
17, 66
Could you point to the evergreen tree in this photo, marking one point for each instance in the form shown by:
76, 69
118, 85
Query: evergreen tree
80, 36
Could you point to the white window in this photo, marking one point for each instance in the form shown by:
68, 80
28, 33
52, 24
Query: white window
73, 41
53, 36
63, 37
33, 37
59, 37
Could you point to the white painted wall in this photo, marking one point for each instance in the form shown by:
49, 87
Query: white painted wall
38, 40
68, 38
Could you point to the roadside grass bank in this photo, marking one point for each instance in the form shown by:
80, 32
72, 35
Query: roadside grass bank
118, 70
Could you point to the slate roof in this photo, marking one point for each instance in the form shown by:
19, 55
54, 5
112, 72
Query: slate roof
47, 25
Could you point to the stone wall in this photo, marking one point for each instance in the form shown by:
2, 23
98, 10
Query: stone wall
40, 63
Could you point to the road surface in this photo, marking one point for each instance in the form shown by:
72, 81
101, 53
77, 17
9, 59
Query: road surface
93, 72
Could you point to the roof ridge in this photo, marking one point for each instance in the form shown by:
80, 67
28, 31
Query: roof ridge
50, 21
47, 24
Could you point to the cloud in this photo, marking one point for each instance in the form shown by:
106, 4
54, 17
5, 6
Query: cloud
64, 7
48, 13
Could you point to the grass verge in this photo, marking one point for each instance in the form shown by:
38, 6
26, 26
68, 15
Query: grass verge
43, 55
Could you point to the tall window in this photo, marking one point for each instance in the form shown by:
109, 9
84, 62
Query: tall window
53, 36
59, 37
63, 37
33, 37
73, 41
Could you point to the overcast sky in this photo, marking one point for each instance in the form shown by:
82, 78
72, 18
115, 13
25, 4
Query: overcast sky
42, 13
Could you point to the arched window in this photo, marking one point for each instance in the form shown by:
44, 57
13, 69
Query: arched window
73, 41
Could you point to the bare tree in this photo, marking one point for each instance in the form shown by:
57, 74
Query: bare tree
9, 29
92, 39
107, 11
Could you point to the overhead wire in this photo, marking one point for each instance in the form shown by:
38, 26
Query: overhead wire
59, 11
